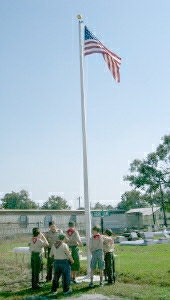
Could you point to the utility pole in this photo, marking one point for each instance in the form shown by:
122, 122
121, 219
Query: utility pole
79, 201
162, 201
101, 221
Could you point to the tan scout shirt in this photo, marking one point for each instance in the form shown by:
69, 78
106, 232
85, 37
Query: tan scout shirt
37, 244
108, 246
62, 252
73, 238
52, 237
97, 241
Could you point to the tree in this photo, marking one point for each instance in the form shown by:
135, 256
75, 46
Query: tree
167, 201
56, 202
152, 175
100, 206
19, 200
133, 199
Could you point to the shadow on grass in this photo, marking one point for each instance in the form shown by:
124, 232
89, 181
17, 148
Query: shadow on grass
44, 293
27, 292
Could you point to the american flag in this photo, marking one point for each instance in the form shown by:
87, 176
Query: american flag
93, 45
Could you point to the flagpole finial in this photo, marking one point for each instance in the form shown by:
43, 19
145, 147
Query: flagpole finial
79, 17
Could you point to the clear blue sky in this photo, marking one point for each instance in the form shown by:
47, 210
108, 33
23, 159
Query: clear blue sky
40, 101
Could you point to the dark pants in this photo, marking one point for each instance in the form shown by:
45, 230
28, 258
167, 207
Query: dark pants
110, 267
61, 267
36, 265
49, 266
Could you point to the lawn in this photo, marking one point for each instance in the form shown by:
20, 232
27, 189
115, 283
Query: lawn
142, 272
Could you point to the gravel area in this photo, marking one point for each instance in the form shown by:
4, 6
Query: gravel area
83, 297
94, 297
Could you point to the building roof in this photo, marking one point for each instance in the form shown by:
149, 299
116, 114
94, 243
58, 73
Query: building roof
147, 211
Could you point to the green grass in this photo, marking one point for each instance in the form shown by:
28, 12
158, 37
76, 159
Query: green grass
142, 272
144, 264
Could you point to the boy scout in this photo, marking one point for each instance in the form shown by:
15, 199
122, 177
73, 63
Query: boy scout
62, 259
73, 241
52, 236
38, 241
108, 248
96, 247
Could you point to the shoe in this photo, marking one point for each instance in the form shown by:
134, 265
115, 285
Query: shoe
67, 293
37, 287
48, 279
91, 285
52, 293
74, 281
101, 284
110, 281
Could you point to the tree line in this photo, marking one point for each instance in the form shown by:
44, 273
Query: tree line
149, 179
21, 200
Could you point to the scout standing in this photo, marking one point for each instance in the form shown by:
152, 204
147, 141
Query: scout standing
96, 247
62, 256
38, 241
73, 241
108, 248
52, 236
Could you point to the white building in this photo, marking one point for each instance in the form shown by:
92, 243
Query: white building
140, 218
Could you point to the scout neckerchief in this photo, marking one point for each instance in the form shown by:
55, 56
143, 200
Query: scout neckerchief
70, 231
112, 241
58, 244
97, 236
34, 239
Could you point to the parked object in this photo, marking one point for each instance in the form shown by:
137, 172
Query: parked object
148, 239
24, 250
83, 239
120, 239
133, 236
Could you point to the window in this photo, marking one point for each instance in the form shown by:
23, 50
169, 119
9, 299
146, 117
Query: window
23, 220
73, 218
47, 219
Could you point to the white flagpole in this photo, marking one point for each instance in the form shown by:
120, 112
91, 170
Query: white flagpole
85, 169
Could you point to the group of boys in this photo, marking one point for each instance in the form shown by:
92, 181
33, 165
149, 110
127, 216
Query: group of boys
62, 254
102, 253
61, 251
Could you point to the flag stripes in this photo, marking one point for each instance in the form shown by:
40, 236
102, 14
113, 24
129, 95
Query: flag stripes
93, 45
